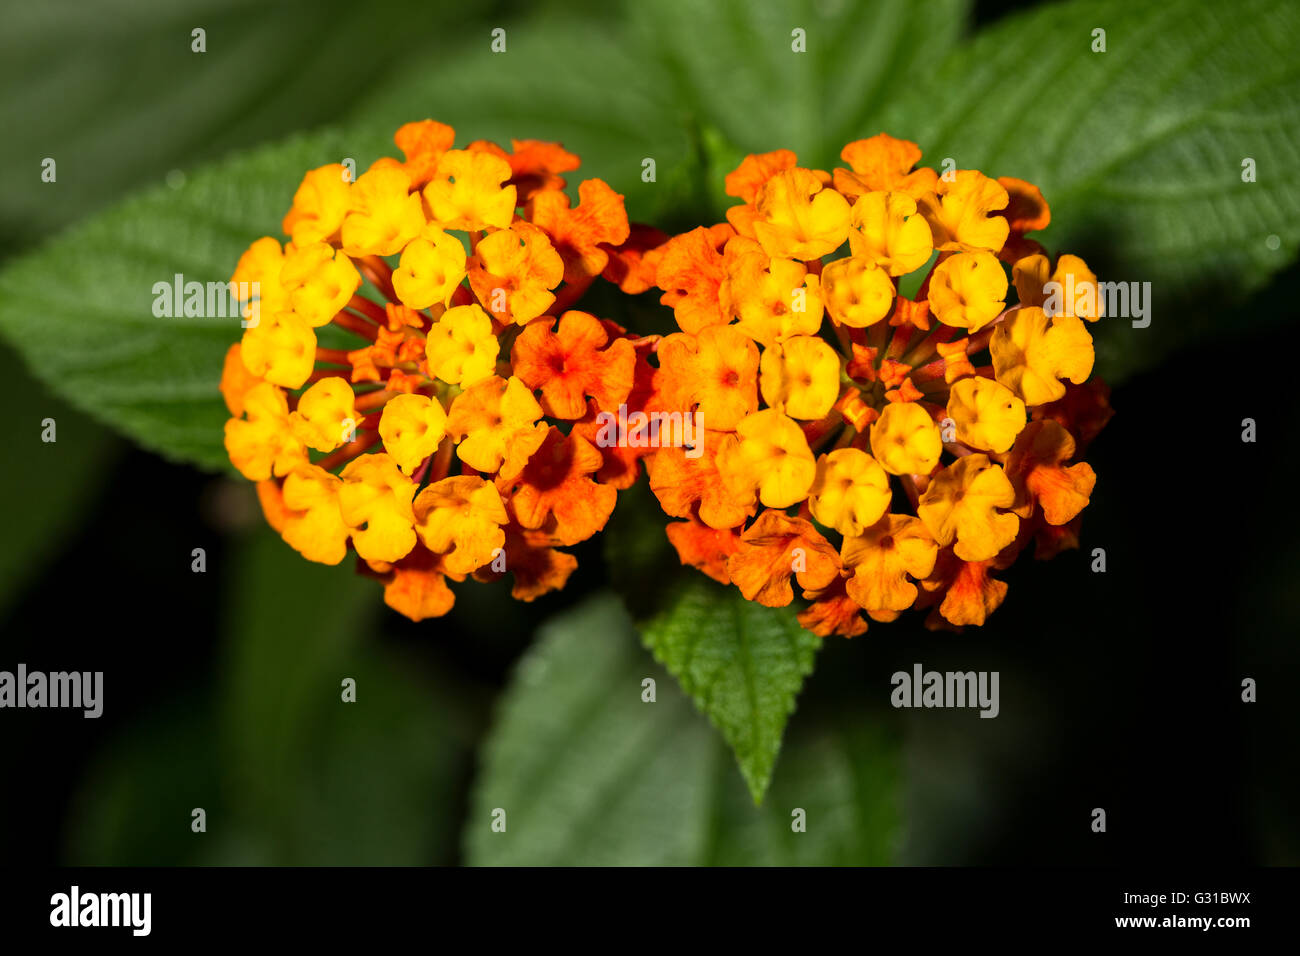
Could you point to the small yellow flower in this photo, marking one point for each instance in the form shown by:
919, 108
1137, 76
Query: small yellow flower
236, 380
1075, 293
375, 502
259, 267
775, 298
493, 422
798, 218
800, 376
461, 518
468, 191
517, 269
461, 346
962, 504
858, 293
385, 214
281, 348
963, 212
319, 206
768, 456
263, 443
1032, 353
888, 230
326, 414
411, 428
968, 290
882, 558
322, 281
850, 491
431, 268
313, 525
905, 439
987, 414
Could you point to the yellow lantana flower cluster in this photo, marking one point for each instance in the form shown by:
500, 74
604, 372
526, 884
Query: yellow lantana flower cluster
385, 394
884, 450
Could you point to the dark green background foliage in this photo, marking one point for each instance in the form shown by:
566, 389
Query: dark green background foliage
222, 689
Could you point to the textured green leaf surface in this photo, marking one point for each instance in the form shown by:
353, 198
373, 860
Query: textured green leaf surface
587, 773
81, 310
742, 663
1138, 149
735, 74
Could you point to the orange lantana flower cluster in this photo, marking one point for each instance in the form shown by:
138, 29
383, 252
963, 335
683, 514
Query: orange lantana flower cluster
412, 385
882, 450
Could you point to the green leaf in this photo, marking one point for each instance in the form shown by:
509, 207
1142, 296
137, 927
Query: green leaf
734, 72
1138, 149
742, 663
588, 773
97, 342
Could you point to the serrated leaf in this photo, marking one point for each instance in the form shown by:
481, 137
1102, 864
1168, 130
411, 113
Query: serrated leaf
588, 773
734, 70
1138, 149
81, 309
742, 663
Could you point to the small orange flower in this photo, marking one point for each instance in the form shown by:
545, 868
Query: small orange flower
416, 586
686, 485
969, 593
534, 165
493, 422
691, 270
746, 180
963, 504
513, 272
774, 548
799, 219
882, 164
537, 567
554, 492
964, 213
700, 546
574, 361
423, 144
713, 373
1039, 477
460, 518
883, 559
319, 205
578, 233
832, 611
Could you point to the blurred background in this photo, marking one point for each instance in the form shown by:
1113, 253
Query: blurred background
1119, 690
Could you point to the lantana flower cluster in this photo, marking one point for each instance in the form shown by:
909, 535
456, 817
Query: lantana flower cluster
412, 386
884, 451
